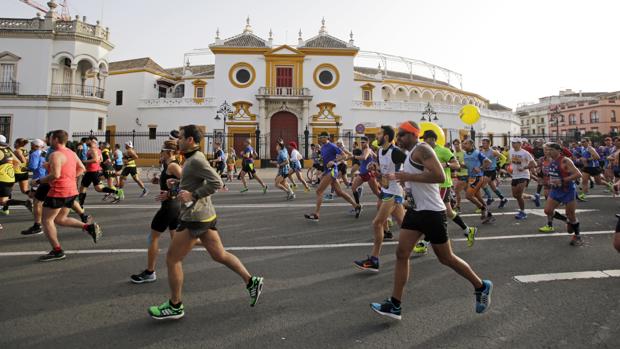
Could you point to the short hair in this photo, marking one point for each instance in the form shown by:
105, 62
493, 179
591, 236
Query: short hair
388, 131
324, 135
20, 142
170, 145
553, 145
429, 134
118, 146
84, 139
192, 131
364, 139
61, 136
92, 138
468, 140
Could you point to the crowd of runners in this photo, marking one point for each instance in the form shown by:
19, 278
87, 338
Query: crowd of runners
418, 185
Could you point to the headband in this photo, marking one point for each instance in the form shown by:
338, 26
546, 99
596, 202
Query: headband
408, 127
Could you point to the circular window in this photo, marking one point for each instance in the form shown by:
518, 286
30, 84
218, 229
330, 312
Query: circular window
241, 75
326, 76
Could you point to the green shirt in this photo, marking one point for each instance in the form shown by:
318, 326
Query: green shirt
460, 157
445, 155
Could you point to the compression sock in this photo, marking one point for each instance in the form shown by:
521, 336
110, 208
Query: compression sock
539, 189
395, 301
356, 196
499, 194
559, 216
487, 192
108, 190
575, 228
459, 221
82, 198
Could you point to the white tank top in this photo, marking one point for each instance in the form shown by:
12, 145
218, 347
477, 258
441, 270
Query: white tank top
387, 166
425, 196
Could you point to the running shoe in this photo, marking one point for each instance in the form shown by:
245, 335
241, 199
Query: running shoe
167, 311
145, 192
106, 196
488, 219
360, 191
387, 308
610, 187
33, 230
120, 194
328, 197
546, 229
390, 222
5, 212
143, 277
521, 215
84, 218
471, 236
420, 248
581, 197
358, 210
483, 298
490, 201
255, 288
53, 255
312, 217
243, 190
116, 200
387, 235
306, 190
290, 196
537, 200
265, 190
94, 230
591, 184
28, 205
503, 203
478, 210
369, 264
576, 240
617, 215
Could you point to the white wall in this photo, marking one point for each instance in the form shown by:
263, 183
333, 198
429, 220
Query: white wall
34, 67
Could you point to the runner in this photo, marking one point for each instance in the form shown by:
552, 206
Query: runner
614, 160
476, 163
107, 166
391, 160
617, 234
167, 217
366, 158
490, 173
562, 176
197, 220
231, 159
91, 176
7, 171
247, 166
425, 216
522, 162
36, 163
20, 167
538, 153
330, 154
448, 163
283, 170
355, 163
591, 168
65, 166
129, 160
609, 148
461, 175
118, 162
296, 167
317, 164
342, 164
219, 161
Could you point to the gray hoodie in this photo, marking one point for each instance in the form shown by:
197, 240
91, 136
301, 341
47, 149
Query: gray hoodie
199, 178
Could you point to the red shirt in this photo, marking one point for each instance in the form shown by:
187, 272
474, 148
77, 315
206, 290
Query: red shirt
94, 166
65, 186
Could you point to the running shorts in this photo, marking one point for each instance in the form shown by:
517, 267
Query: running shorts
319, 167
617, 172
6, 189
491, 174
248, 168
474, 184
296, 166
516, 182
387, 197
167, 217
118, 168
366, 176
283, 172
433, 224
563, 196
59, 202
41, 193
19, 177
333, 172
592, 171
90, 178
197, 229
133, 171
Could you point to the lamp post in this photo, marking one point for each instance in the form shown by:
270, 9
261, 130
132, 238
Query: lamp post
225, 110
555, 116
430, 113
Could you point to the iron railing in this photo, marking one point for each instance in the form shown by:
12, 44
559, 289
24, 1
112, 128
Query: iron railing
9, 88
72, 90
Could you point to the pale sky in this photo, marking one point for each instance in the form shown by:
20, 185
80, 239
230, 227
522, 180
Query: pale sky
508, 51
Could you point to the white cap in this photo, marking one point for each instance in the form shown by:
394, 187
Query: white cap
3, 141
129, 144
516, 140
525, 140
38, 143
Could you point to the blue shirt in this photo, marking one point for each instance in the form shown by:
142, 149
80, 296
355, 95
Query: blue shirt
35, 164
119, 157
588, 157
472, 160
329, 151
489, 155
84, 153
249, 150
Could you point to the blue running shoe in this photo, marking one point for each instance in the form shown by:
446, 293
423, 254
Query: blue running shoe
537, 200
521, 215
483, 298
387, 309
328, 197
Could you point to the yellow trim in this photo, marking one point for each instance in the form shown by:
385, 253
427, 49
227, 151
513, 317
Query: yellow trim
210, 219
437, 87
329, 51
239, 50
234, 123
274, 60
199, 84
330, 67
142, 70
371, 130
272, 52
326, 109
242, 108
367, 87
237, 66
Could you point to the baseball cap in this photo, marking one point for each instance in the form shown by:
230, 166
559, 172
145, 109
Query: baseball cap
516, 140
3, 141
38, 143
129, 144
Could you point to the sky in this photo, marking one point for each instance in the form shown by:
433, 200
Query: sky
510, 52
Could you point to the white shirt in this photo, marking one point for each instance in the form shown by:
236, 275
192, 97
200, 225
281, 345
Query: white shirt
295, 156
387, 166
425, 195
520, 161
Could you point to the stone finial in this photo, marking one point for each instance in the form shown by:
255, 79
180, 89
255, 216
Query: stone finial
187, 64
300, 40
84, 19
351, 41
77, 17
270, 34
248, 27
52, 5
323, 30
97, 22
217, 34
52, 11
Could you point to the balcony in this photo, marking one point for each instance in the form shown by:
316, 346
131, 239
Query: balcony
9, 88
73, 90
176, 102
284, 93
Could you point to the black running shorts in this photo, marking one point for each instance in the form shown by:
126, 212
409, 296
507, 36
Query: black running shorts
133, 171
41, 192
20, 177
90, 178
167, 217
592, 171
197, 229
516, 182
433, 224
492, 174
6, 189
59, 202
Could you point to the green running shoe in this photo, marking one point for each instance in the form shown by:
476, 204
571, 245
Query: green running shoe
255, 288
581, 196
5, 212
546, 229
420, 248
121, 194
478, 210
244, 190
265, 190
166, 311
471, 236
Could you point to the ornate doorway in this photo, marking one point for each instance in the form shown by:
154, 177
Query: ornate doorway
283, 125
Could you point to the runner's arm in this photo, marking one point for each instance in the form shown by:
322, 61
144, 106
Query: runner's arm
500, 156
453, 164
174, 169
55, 167
212, 181
79, 166
572, 169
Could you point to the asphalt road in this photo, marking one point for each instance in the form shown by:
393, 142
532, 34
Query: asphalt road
313, 296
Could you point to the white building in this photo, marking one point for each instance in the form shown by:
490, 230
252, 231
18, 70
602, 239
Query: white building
282, 90
52, 75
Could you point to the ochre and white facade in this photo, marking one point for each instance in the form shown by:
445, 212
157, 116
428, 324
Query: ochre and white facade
52, 75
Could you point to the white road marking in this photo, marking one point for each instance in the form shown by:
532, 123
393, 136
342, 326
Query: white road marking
596, 274
272, 205
536, 212
296, 247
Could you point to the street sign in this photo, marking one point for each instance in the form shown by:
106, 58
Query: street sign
360, 128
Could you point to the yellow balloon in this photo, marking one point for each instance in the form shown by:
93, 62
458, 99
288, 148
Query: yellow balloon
469, 114
441, 137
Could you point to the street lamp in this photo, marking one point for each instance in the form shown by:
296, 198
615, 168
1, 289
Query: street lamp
555, 116
429, 112
225, 110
